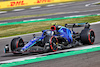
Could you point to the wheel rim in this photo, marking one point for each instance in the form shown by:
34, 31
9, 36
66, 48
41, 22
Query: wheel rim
20, 43
53, 43
91, 36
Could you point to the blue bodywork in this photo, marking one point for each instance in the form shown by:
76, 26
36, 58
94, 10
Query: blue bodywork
66, 33
63, 32
33, 41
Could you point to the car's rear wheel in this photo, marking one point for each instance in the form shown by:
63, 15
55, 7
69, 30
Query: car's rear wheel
16, 43
53, 43
87, 36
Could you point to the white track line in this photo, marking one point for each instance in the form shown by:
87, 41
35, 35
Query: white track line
29, 20
19, 59
96, 2
3, 22
18, 9
41, 55
74, 16
87, 5
51, 5
98, 14
92, 4
33, 19
80, 48
95, 23
35, 7
3, 12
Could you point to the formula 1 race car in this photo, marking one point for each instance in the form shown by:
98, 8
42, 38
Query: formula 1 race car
58, 37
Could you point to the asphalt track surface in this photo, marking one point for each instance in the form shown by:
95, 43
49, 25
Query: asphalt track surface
84, 60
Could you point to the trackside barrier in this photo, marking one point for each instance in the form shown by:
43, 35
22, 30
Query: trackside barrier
19, 3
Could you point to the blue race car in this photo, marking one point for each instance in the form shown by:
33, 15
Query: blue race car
58, 37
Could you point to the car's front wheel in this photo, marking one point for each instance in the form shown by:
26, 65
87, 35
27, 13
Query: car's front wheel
16, 44
53, 43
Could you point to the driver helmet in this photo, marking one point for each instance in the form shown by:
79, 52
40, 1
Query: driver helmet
55, 27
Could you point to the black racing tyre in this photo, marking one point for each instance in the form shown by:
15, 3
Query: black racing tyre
53, 43
87, 36
16, 42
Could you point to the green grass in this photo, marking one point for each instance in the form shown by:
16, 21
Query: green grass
19, 29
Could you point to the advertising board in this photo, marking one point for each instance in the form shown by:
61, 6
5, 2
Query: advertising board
18, 3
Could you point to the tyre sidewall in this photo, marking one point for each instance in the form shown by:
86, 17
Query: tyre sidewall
85, 36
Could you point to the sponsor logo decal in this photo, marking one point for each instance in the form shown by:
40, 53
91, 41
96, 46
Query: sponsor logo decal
17, 3
44, 1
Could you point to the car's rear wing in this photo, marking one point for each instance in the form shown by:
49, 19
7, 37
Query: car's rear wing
86, 25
